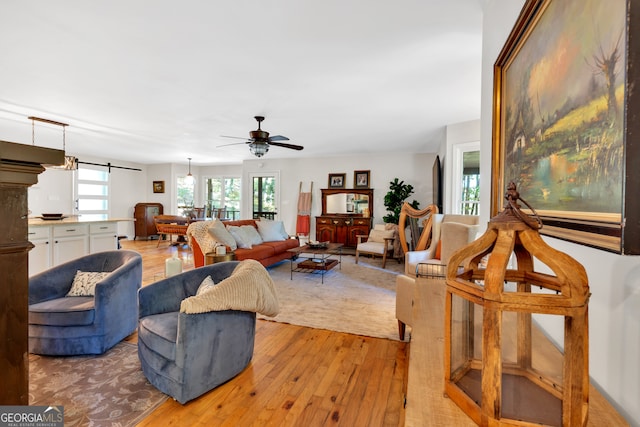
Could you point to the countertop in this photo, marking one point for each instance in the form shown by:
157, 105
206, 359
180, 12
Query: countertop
73, 219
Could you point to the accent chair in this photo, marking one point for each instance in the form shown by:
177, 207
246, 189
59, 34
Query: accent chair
379, 243
185, 355
450, 232
62, 325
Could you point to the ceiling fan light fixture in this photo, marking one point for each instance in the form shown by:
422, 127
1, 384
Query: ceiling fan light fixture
258, 149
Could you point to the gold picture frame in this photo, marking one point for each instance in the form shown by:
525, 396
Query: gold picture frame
158, 186
563, 120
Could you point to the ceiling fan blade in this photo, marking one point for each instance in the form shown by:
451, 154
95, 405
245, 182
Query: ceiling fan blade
278, 138
233, 143
282, 144
234, 137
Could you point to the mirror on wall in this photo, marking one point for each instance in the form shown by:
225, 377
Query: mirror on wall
357, 202
347, 203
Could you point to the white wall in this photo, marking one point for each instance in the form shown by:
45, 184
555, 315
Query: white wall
54, 192
414, 169
614, 308
456, 134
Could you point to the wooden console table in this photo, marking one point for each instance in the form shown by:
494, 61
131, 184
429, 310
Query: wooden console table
426, 403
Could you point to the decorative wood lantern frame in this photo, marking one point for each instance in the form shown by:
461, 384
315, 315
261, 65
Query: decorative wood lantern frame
499, 368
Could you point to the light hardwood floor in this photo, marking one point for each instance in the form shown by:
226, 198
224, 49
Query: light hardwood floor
298, 376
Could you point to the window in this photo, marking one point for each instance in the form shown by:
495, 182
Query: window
185, 187
223, 192
470, 203
265, 195
92, 192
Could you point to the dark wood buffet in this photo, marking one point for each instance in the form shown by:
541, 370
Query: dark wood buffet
345, 215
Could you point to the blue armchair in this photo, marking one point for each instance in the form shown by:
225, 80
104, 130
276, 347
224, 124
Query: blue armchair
185, 355
61, 325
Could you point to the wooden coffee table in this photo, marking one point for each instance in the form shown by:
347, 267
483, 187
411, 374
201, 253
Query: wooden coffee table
315, 259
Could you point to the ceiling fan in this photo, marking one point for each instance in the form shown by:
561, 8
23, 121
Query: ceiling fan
259, 140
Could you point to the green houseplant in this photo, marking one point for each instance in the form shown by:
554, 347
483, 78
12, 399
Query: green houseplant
393, 200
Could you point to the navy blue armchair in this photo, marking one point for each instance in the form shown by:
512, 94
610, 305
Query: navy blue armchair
61, 325
185, 355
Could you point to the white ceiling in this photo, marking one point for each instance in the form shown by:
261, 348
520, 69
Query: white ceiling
159, 81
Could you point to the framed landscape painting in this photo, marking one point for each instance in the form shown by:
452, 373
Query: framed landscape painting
565, 124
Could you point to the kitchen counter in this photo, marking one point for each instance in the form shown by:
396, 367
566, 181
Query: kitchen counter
72, 219
61, 240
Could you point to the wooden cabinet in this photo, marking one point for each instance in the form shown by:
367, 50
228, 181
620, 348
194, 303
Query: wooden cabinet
143, 214
360, 226
345, 215
338, 229
325, 229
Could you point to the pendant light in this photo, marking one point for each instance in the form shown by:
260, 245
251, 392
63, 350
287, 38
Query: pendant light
189, 178
70, 162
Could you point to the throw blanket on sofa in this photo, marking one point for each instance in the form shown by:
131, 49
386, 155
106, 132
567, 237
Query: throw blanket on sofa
249, 288
199, 231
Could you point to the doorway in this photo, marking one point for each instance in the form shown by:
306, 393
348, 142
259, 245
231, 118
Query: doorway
466, 178
265, 189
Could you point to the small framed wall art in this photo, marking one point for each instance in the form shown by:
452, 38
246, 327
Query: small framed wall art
336, 180
361, 179
158, 186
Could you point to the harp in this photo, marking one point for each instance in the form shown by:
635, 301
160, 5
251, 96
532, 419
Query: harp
419, 240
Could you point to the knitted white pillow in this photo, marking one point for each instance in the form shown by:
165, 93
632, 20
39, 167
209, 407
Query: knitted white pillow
84, 283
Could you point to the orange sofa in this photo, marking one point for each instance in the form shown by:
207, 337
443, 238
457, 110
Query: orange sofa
267, 253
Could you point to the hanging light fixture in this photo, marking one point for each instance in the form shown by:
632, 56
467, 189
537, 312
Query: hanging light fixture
189, 178
258, 149
70, 162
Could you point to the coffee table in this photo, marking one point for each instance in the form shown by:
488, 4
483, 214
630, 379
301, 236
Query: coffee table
315, 259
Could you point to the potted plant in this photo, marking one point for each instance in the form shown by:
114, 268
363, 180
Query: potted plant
393, 200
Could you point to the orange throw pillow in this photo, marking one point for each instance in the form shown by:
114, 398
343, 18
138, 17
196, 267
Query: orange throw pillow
438, 250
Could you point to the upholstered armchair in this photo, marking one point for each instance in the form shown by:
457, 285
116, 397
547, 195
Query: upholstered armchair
95, 318
187, 354
379, 242
449, 233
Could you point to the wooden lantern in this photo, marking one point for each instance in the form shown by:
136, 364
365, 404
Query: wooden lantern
499, 368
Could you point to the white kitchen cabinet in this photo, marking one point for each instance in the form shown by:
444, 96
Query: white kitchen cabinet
40, 254
103, 236
70, 241
55, 243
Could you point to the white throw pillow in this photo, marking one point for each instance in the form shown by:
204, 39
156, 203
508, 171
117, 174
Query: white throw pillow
252, 233
205, 285
378, 236
221, 235
272, 231
84, 283
240, 236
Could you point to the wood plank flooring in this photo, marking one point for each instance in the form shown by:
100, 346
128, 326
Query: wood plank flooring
298, 376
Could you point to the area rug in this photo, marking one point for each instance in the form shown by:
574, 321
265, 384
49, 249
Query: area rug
105, 390
354, 298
